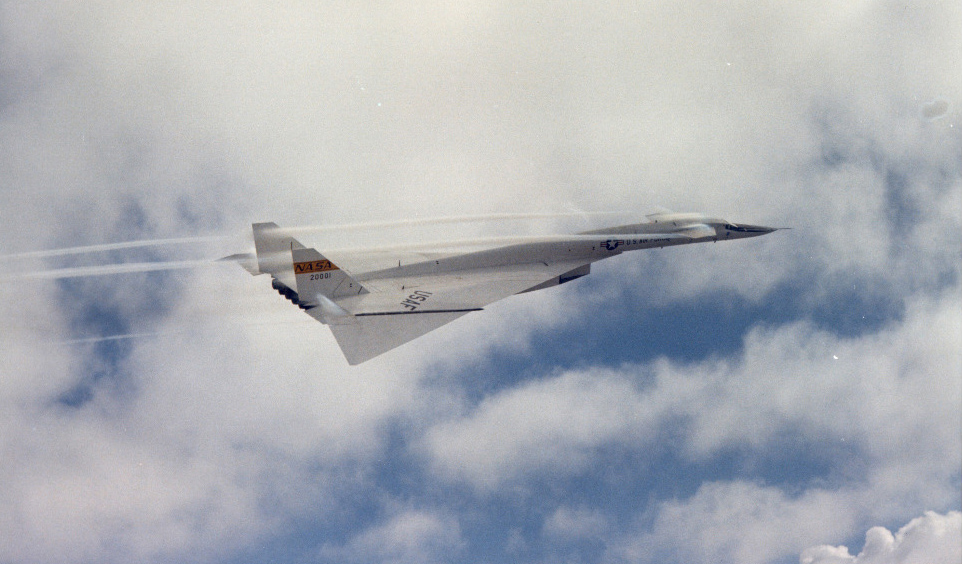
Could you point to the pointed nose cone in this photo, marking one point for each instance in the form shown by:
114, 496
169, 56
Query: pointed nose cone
760, 229
742, 230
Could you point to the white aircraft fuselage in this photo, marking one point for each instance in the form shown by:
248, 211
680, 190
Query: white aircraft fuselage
592, 245
372, 310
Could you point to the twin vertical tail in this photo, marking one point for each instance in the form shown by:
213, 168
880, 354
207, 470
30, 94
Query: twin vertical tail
304, 276
321, 283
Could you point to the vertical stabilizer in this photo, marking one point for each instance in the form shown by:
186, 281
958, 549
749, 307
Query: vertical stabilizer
317, 276
274, 248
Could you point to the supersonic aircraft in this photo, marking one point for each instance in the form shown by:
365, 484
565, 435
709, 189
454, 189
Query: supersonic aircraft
375, 308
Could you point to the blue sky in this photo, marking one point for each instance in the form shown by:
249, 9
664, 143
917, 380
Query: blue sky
790, 398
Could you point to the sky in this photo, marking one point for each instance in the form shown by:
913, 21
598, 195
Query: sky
790, 398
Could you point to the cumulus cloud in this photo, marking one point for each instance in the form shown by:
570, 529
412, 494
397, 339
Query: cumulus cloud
793, 379
411, 536
552, 424
890, 398
736, 522
931, 538
235, 419
574, 523
749, 523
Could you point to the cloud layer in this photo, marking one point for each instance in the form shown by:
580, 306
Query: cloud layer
930, 538
740, 402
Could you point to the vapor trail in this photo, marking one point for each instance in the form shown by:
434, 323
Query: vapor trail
90, 340
147, 335
68, 251
115, 246
103, 270
442, 220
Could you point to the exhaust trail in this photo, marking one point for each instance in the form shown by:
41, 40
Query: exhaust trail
155, 334
127, 268
104, 270
122, 337
116, 247
144, 243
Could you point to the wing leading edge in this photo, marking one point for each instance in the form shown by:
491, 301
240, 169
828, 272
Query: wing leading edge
388, 319
381, 320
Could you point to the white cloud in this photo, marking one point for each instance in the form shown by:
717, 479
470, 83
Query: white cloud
77, 489
787, 381
288, 95
737, 522
122, 120
550, 425
568, 524
411, 536
235, 428
788, 376
891, 396
930, 538
748, 523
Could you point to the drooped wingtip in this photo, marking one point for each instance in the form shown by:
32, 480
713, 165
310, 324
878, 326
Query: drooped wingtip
247, 260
